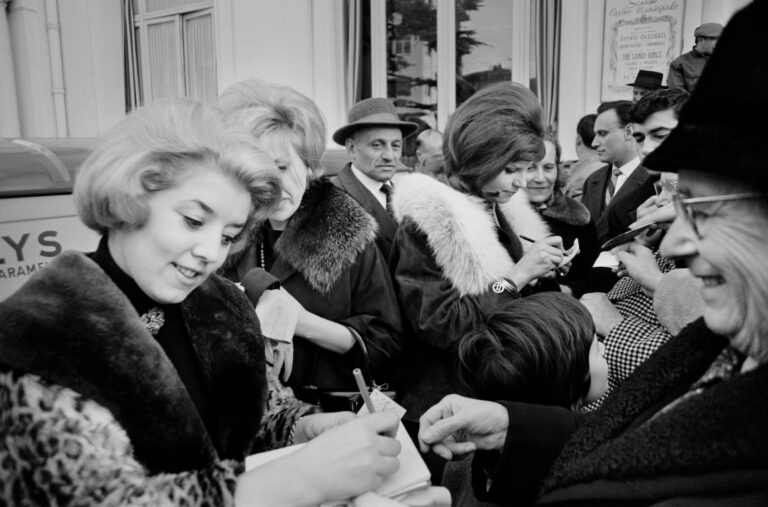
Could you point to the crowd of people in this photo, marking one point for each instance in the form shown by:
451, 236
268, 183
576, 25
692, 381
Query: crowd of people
236, 288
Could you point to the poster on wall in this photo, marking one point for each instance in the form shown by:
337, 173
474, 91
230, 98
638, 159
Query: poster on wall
639, 34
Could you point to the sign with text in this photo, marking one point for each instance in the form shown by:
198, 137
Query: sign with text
639, 35
34, 230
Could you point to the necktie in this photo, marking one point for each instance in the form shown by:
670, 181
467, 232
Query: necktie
612, 185
386, 189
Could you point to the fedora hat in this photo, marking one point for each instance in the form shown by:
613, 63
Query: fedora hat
722, 128
648, 79
374, 112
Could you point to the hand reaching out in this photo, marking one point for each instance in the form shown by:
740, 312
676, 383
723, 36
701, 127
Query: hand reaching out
457, 426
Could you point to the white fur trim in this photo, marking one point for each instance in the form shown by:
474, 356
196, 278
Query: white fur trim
459, 231
525, 220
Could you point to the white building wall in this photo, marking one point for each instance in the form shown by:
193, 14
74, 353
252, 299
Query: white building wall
67, 67
298, 43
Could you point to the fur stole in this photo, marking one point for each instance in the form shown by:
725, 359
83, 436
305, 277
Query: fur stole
566, 209
72, 326
323, 237
461, 232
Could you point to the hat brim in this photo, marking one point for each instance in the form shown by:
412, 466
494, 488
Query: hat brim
642, 85
341, 135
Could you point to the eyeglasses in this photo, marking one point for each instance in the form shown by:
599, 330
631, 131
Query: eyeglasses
684, 208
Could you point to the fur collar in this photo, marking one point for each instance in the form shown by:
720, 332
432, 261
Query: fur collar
70, 325
461, 232
323, 237
566, 209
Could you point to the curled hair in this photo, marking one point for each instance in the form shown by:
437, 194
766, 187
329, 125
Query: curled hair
533, 350
623, 110
152, 149
265, 108
659, 100
496, 126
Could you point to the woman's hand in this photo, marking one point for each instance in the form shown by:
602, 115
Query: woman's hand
541, 258
604, 314
457, 426
341, 463
281, 358
313, 425
640, 264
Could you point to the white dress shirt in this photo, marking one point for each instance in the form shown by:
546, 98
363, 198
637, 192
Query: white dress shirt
626, 171
373, 186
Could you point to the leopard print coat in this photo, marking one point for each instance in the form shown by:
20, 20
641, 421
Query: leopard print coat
59, 448
80, 426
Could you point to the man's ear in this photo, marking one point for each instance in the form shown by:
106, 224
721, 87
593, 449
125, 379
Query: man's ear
349, 144
629, 129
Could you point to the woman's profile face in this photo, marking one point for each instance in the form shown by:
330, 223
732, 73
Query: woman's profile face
540, 178
506, 184
188, 234
712, 255
293, 176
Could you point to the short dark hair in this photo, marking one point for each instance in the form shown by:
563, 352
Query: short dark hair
585, 129
623, 110
659, 100
533, 350
496, 126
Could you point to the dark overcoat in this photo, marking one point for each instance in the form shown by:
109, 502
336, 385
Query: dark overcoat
326, 258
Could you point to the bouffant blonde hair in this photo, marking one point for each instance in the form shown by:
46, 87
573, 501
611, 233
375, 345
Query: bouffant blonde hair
265, 108
152, 149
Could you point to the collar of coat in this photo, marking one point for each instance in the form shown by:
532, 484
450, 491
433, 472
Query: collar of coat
72, 326
566, 209
324, 236
461, 233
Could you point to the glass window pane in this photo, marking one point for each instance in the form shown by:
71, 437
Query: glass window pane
199, 58
483, 45
162, 57
412, 65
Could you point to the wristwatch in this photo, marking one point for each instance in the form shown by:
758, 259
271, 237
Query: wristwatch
505, 284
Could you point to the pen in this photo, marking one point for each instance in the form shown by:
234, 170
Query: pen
526, 238
363, 390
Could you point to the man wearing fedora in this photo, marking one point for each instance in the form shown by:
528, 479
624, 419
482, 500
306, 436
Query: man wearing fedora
646, 81
373, 137
684, 71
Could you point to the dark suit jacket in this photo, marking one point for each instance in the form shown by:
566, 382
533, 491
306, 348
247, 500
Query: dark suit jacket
622, 210
347, 181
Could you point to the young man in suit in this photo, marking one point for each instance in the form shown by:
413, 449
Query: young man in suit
373, 138
613, 192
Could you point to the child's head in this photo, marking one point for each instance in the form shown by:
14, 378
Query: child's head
539, 349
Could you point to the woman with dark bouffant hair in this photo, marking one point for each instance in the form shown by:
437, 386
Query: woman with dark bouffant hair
456, 252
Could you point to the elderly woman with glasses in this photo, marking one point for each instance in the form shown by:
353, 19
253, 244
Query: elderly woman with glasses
689, 426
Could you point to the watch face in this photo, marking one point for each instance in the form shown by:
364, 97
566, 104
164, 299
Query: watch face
497, 287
